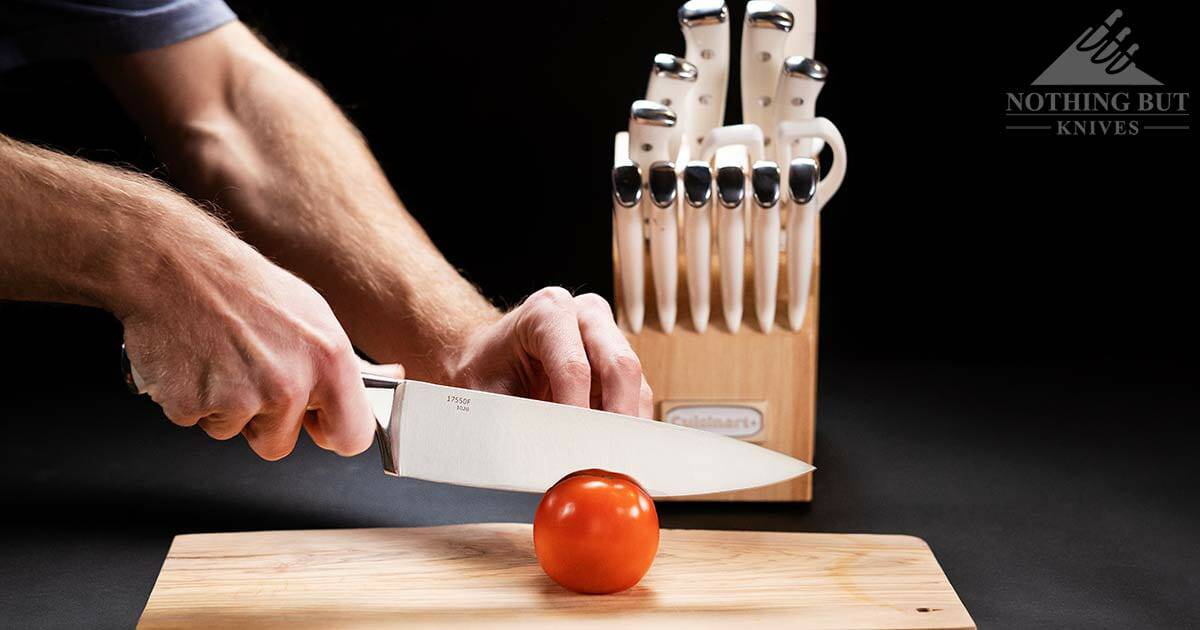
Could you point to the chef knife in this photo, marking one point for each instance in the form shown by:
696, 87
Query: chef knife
480, 439
671, 81
705, 27
664, 240
697, 238
764, 34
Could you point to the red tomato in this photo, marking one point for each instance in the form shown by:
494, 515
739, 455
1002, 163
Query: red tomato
596, 532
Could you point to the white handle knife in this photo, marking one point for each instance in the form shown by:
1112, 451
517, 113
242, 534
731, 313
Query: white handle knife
650, 127
791, 131
671, 81
764, 34
631, 244
705, 27
697, 239
803, 38
764, 181
664, 240
731, 231
796, 99
803, 174
484, 440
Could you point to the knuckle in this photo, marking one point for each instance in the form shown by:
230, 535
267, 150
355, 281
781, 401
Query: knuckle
552, 296
625, 364
577, 369
281, 391
328, 348
221, 428
593, 301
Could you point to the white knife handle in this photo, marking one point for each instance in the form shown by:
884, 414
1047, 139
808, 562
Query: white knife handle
765, 182
803, 191
800, 84
671, 81
664, 239
651, 125
697, 241
631, 243
731, 231
749, 136
803, 38
705, 27
764, 35
793, 131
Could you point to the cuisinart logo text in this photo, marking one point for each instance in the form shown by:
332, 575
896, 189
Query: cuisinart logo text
732, 420
1124, 99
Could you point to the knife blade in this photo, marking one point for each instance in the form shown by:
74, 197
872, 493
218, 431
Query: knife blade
472, 438
480, 439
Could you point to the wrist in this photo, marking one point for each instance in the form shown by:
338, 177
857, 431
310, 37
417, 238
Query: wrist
181, 254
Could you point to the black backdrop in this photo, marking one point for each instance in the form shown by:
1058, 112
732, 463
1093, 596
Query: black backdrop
951, 239
1007, 319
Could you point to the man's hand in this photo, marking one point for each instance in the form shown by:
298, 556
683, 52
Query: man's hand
559, 348
239, 346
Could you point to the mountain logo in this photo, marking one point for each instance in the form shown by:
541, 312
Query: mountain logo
1102, 55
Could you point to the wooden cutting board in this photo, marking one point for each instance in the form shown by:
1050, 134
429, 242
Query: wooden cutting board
486, 575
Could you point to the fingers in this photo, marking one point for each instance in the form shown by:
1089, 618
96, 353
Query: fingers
272, 436
645, 400
344, 421
611, 357
549, 331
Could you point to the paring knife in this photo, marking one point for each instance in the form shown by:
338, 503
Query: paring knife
631, 243
697, 238
764, 180
472, 438
705, 27
764, 34
803, 174
731, 231
671, 81
664, 240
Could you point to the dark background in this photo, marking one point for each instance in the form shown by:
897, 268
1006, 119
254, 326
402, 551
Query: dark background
1007, 317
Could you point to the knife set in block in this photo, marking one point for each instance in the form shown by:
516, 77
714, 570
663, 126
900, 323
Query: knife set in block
716, 231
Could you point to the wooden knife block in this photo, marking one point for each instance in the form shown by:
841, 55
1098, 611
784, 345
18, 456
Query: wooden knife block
775, 372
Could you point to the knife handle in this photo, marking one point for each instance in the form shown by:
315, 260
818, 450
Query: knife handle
134, 382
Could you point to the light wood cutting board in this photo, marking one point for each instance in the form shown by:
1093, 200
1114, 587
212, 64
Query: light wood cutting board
486, 575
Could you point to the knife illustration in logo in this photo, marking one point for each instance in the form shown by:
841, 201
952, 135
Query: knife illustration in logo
1102, 55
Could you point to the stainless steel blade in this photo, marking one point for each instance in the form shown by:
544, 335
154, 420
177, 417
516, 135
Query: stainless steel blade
472, 438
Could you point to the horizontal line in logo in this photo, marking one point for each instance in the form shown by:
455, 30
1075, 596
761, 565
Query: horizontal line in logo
1026, 126
1118, 114
1165, 127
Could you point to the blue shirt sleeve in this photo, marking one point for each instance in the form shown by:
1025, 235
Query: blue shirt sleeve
31, 30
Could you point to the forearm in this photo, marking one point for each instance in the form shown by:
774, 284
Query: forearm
85, 233
300, 184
